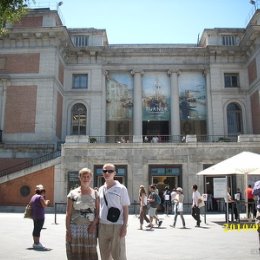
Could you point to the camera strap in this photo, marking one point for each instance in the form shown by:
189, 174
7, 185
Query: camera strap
105, 198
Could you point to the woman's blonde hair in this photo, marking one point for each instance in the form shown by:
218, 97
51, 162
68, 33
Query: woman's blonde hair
142, 190
85, 170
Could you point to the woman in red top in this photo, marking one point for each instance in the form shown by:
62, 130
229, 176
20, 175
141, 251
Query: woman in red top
251, 202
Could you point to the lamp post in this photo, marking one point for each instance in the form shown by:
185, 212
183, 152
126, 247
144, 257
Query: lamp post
58, 5
253, 2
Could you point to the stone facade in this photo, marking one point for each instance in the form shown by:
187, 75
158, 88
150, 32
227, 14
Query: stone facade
43, 59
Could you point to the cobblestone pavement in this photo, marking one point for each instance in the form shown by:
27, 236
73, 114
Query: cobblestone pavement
210, 241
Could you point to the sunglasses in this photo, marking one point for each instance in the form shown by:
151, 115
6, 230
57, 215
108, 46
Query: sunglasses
109, 171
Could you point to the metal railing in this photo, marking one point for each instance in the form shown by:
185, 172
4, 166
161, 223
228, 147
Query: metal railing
162, 138
109, 139
30, 163
28, 146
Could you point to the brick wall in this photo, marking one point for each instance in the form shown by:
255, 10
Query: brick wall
252, 74
30, 22
10, 194
255, 108
20, 63
20, 112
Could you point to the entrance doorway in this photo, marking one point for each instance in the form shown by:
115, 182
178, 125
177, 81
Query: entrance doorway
162, 182
156, 128
165, 176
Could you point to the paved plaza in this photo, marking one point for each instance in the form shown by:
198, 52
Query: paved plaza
210, 241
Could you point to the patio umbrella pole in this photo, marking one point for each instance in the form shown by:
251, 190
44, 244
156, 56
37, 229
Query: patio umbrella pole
227, 198
246, 197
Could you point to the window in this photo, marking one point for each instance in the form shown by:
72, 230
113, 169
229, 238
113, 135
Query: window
228, 40
234, 119
121, 175
79, 119
80, 81
80, 40
231, 80
25, 190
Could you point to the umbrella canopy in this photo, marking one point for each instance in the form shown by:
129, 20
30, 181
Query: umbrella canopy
242, 163
255, 172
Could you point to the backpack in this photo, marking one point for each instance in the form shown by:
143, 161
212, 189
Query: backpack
157, 199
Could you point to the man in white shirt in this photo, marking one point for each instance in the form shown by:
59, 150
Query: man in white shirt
112, 232
195, 211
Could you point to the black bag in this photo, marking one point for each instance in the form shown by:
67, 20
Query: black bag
113, 214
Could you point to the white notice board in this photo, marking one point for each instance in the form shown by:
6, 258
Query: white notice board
220, 187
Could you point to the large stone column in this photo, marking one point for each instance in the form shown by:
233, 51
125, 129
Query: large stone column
209, 103
175, 109
104, 101
137, 108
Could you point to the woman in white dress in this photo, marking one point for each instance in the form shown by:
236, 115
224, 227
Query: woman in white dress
179, 198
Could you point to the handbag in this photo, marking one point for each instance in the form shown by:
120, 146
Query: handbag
28, 211
113, 213
201, 202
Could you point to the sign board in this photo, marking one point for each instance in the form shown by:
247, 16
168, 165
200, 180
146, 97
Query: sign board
219, 187
73, 180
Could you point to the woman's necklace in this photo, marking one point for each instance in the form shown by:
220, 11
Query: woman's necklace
85, 191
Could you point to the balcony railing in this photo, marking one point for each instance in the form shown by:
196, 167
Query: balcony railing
162, 138
114, 139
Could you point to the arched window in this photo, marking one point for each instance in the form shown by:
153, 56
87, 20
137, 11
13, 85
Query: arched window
234, 119
78, 120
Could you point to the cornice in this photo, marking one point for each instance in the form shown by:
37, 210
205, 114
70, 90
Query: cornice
28, 37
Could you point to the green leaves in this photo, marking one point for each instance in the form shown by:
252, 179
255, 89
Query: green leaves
11, 11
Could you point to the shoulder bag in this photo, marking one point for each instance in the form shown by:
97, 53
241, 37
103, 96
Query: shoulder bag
28, 211
113, 213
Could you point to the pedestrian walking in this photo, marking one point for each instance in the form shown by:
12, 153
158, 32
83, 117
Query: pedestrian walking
179, 198
195, 210
143, 206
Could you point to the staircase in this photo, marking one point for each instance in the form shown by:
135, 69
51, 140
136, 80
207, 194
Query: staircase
30, 163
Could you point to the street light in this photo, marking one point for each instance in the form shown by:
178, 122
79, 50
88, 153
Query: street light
59, 4
253, 2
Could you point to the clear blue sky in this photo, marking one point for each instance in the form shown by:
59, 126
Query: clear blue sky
153, 21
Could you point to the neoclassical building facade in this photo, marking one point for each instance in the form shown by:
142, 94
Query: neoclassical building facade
159, 112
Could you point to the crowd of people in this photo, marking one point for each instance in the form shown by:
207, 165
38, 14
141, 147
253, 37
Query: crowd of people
101, 214
149, 204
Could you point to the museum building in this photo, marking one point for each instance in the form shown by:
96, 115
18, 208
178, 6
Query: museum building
159, 112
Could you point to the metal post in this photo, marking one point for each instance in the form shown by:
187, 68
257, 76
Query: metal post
55, 213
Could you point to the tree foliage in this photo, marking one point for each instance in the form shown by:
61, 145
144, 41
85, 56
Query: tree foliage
11, 11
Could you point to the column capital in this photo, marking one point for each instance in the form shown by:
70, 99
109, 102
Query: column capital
172, 71
106, 73
135, 71
5, 80
205, 72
